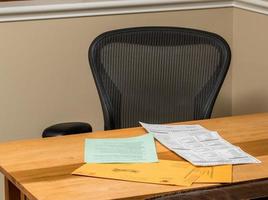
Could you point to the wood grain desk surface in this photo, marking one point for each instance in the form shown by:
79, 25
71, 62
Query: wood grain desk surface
41, 168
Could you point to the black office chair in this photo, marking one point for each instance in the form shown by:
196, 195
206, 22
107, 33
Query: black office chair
157, 74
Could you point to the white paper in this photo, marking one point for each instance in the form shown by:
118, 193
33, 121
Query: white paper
198, 145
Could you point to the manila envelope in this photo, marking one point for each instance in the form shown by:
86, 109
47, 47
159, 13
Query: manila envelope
216, 174
163, 172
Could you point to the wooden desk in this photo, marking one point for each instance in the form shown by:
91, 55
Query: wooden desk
41, 168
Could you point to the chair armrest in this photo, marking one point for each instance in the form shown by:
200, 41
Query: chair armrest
66, 129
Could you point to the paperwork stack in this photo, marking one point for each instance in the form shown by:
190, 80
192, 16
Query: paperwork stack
135, 159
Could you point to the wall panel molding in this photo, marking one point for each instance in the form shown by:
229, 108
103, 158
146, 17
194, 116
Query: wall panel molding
54, 9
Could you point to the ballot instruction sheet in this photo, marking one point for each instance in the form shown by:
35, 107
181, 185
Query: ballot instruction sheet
139, 149
198, 145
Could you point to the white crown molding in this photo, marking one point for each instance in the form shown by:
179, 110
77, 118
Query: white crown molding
54, 9
259, 6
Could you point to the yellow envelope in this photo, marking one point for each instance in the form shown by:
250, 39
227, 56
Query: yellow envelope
216, 174
163, 172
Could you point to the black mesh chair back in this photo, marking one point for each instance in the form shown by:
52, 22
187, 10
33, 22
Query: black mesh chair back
157, 74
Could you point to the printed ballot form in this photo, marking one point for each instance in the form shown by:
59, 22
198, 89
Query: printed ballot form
138, 149
198, 145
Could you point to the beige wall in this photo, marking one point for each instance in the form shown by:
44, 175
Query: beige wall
45, 77
250, 62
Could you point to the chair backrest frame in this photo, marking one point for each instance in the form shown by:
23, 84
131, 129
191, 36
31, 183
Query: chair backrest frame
105, 39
